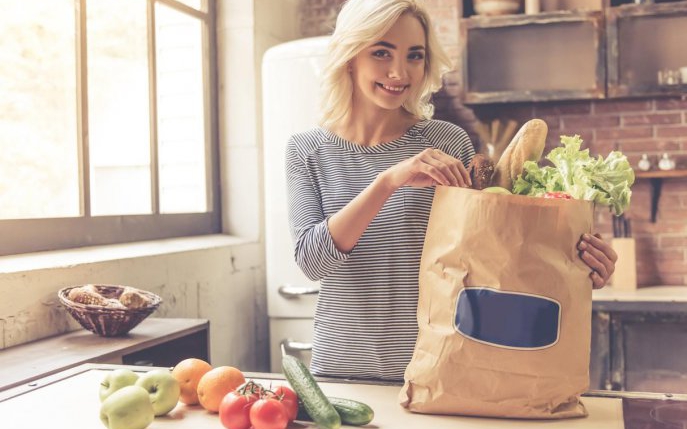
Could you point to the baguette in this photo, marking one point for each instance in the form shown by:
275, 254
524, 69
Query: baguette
527, 145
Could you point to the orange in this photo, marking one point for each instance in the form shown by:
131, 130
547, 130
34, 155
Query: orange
188, 373
216, 383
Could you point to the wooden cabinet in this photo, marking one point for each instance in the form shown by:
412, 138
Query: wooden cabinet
647, 45
614, 52
548, 56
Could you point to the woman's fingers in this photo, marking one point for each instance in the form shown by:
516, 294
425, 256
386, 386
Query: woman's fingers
460, 172
599, 273
434, 158
599, 256
432, 167
597, 281
435, 174
450, 167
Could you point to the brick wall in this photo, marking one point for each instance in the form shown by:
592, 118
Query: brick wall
636, 126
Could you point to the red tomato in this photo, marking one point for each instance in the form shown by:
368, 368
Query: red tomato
234, 410
268, 413
290, 400
560, 195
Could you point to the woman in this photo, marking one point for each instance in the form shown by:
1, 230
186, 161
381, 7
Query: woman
361, 187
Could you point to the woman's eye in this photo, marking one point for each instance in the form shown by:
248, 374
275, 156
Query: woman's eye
381, 53
416, 56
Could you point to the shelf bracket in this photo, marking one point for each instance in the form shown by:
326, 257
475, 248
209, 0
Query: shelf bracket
656, 183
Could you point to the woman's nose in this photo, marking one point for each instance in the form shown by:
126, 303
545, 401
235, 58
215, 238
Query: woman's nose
397, 70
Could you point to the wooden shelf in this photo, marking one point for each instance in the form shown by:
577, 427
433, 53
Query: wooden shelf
656, 178
660, 174
27, 362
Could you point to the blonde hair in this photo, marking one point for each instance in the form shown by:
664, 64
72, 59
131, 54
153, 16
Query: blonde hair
360, 24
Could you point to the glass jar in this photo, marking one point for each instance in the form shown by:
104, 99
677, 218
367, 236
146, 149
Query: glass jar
644, 164
666, 163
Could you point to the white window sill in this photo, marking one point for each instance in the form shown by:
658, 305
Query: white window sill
94, 254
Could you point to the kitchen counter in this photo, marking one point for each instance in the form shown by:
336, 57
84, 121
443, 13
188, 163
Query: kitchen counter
70, 400
647, 299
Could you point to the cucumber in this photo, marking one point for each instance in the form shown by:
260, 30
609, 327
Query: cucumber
352, 412
315, 402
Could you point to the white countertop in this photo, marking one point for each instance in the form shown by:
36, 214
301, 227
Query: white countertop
647, 293
645, 299
72, 403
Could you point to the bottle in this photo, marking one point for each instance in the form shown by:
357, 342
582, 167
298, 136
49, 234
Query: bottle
666, 163
644, 164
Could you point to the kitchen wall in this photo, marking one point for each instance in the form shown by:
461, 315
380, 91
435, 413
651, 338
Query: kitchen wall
634, 126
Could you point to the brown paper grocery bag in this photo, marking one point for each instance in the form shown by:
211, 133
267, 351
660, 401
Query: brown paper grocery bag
504, 310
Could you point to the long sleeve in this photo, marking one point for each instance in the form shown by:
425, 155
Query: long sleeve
314, 250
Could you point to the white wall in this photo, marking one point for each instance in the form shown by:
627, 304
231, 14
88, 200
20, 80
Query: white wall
246, 29
216, 277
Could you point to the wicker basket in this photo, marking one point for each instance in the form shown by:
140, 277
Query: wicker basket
106, 321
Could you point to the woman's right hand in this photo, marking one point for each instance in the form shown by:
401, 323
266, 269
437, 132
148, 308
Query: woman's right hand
428, 168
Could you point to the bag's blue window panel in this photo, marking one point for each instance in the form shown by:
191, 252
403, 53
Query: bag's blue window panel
507, 319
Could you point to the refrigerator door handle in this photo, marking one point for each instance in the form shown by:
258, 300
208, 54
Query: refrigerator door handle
289, 345
289, 291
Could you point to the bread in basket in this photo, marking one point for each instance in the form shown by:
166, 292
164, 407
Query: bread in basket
108, 310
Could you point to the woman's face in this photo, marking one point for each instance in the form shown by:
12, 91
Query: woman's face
391, 70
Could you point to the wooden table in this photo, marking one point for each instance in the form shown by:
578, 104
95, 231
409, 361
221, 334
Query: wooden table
155, 341
70, 400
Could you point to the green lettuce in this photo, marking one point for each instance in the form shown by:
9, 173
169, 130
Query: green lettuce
604, 181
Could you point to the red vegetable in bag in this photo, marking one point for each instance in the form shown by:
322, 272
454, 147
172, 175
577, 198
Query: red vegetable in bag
558, 195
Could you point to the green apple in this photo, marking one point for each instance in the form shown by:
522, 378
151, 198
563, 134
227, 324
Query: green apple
497, 190
163, 388
115, 380
127, 408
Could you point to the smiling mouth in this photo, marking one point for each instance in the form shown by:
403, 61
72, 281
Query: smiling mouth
393, 89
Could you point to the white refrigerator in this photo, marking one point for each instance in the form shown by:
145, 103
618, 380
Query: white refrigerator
291, 74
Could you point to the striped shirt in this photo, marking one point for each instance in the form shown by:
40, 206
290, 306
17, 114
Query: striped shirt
365, 320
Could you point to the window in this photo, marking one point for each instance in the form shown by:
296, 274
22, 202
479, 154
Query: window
109, 125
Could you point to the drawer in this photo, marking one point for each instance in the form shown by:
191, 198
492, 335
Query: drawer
296, 337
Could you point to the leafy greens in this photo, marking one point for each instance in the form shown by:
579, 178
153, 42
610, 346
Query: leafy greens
604, 181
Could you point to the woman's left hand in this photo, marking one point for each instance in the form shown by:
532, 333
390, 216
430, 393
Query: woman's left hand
599, 256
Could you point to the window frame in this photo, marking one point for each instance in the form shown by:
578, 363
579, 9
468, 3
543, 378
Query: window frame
19, 236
